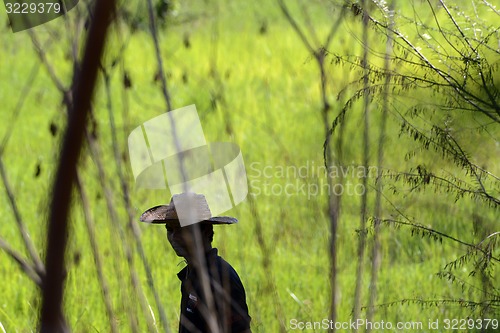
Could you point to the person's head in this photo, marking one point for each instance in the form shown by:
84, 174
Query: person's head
190, 207
182, 239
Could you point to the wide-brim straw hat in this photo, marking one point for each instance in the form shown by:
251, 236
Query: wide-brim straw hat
197, 206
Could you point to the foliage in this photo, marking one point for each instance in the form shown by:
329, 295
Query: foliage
445, 95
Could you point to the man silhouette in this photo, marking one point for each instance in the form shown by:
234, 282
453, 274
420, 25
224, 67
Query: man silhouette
213, 297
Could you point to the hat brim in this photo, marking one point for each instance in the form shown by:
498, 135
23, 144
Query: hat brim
160, 215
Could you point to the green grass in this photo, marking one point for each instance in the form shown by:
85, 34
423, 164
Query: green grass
266, 86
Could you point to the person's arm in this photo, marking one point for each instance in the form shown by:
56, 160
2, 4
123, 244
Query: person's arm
239, 319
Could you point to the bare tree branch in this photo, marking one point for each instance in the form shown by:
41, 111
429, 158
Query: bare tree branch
366, 152
43, 58
108, 196
52, 319
154, 34
28, 243
295, 26
334, 200
376, 256
19, 105
96, 253
30, 270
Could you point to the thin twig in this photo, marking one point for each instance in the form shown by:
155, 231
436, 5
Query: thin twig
307, 20
442, 234
439, 302
266, 261
19, 105
376, 256
493, 8
28, 243
43, 58
467, 95
334, 200
94, 149
154, 34
366, 152
295, 26
30, 270
108, 196
96, 253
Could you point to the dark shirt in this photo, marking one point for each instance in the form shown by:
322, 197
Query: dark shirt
229, 300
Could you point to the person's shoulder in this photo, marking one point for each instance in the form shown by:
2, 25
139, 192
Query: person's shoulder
226, 267
226, 271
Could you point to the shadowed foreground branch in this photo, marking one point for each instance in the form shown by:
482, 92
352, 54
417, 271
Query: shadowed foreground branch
52, 319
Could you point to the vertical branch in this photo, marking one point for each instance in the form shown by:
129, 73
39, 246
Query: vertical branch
154, 34
334, 203
52, 319
380, 159
94, 150
149, 276
266, 261
200, 258
334, 206
108, 197
166, 95
334, 200
95, 252
214, 43
364, 199
200, 265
